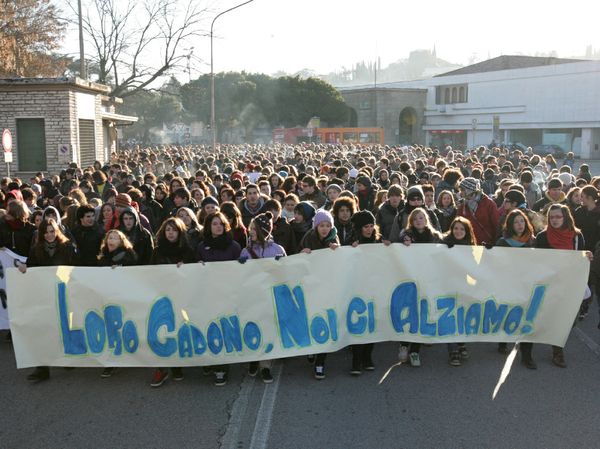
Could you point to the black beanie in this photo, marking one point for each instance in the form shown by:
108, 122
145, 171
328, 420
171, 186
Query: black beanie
362, 218
515, 196
364, 180
265, 223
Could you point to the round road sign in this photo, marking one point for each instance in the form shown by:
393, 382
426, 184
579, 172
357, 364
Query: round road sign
7, 140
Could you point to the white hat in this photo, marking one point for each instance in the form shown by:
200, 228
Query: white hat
566, 178
353, 173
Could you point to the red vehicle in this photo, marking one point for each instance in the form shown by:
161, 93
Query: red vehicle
328, 135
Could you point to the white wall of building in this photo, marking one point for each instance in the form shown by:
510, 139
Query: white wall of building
563, 96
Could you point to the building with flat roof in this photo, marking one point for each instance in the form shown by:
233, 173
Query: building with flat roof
531, 101
55, 121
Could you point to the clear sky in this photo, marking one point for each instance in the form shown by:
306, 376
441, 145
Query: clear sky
324, 35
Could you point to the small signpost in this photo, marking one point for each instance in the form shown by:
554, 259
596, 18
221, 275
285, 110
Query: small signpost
7, 143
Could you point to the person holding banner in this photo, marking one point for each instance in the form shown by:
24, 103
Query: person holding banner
560, 233
172, 247
16, 232
518, 233
52, 248
323, 235
365, 232
418, 230
138, 236
460, 232
116, 250
260, 246
218, 246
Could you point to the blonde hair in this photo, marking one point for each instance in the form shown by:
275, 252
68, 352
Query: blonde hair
125, 243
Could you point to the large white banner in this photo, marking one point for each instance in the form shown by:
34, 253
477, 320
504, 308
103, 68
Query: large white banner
7, 260
227, 312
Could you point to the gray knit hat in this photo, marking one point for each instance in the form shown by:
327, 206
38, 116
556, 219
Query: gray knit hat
471, 184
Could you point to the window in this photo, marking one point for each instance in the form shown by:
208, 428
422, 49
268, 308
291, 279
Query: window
452, 94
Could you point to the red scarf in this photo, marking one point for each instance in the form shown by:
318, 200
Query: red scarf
560, 238
15, 225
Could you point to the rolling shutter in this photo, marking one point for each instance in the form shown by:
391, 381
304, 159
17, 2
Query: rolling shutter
87, 142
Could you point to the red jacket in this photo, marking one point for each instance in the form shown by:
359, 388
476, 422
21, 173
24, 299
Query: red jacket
485, 221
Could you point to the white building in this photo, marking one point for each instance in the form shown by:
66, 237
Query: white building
529, 100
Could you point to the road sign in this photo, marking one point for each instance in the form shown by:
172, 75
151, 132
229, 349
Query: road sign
7, 140
8, 157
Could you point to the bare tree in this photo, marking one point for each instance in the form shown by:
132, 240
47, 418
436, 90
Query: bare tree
136, 42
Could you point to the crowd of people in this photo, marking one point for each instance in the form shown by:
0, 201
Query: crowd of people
180, 205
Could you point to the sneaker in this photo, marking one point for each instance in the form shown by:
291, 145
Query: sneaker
220, 379
464, 352
177, 373
455, 358
107, 372
253, 369
356, 369
40, 374
207, 370
159, 377
415, 360
368, 364
266, 376
319, 372
403, 353
529, 363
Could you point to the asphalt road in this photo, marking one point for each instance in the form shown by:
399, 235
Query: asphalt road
435, 406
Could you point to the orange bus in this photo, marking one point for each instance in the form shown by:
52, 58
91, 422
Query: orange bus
329, 135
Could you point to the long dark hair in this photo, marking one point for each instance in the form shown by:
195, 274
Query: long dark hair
208, 222
469, 233
232, 212
179, 225
61, 239
568, 222
508, 230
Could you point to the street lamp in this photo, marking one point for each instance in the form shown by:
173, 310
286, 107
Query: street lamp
212, 76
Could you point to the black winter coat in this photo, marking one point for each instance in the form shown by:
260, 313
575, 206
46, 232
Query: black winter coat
65, 254
18, 240
88, 240
284, 236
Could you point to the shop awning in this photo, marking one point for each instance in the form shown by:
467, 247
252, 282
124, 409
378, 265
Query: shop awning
119, 119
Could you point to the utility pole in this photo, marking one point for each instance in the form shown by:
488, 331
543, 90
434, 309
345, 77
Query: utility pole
82, 68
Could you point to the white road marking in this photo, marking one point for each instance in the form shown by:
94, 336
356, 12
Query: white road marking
264, 418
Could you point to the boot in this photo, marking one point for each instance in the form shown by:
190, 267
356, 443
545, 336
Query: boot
40, 374
526, 358
558, 356
356, 369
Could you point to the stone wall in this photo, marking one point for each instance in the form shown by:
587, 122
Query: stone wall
381, 107
54, 106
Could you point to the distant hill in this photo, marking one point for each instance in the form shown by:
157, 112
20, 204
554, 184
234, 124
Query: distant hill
419, 64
